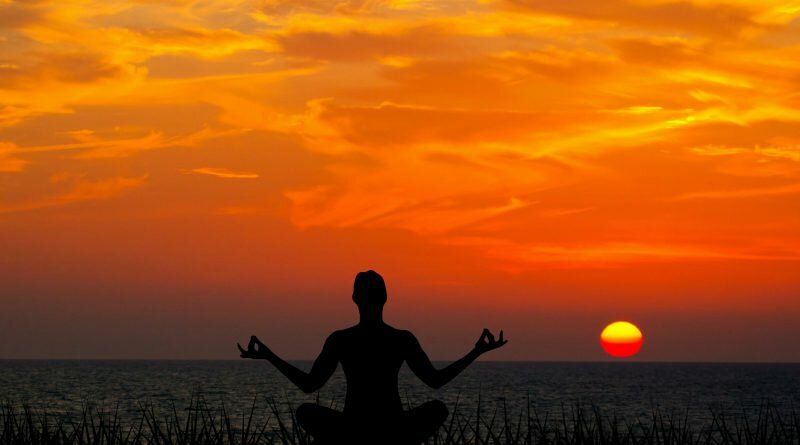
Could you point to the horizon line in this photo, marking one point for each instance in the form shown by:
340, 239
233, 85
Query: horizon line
677, 362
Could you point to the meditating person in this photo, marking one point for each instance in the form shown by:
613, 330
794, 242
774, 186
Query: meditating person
371, 354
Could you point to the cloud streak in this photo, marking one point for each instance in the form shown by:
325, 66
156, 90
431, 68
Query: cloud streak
223, 173
9, 163
741, 193
80, 191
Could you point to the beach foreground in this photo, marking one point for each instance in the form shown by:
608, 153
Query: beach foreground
270, 422
239, 402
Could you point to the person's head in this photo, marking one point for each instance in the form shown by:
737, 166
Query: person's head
369, 290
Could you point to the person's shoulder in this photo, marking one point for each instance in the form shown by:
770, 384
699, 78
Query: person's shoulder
341, 334
404, 335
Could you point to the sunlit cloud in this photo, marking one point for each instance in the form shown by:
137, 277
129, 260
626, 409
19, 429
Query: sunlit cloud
788, 152
720, 19
90, 145
9, 163
741, 193
223, 173
79, 191
611, 255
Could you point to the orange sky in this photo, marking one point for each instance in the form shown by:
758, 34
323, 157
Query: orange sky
176, 175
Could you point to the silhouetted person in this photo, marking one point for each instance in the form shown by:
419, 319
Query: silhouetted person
371, 354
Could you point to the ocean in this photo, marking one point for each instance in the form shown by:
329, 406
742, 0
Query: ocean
627, 390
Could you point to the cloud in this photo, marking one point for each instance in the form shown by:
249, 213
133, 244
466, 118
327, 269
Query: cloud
363, 46
394, 124
18, 14
754, 162
719, 20
73, 53
9, 163
788, 152
426, 187
770, 128
54, 67
81, 190
197, 41
671, 51
284, 7
526, 255
332, 128
223, 173
740, 193
91, 145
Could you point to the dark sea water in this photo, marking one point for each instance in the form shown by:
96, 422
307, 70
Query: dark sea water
627, 390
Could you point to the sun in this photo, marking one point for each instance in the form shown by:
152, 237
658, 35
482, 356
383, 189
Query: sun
621, 339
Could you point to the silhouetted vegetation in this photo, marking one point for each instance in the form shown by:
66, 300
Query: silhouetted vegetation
273, 423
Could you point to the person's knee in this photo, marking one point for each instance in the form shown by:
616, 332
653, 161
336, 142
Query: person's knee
424, 420
305, 414
438, 410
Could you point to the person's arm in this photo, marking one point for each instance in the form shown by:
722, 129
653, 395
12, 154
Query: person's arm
421, 365
321, 371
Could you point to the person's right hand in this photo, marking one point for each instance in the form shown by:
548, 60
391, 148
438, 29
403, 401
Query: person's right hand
255, 349
487, 342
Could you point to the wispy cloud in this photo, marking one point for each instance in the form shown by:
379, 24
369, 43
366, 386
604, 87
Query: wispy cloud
524, 255
80, 191
223, 173
740, 193
90, 145
790, 152
9, 163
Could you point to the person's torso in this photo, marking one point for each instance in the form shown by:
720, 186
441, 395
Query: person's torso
371, 358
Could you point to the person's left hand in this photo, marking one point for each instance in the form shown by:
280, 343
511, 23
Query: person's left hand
487, 342
255, 349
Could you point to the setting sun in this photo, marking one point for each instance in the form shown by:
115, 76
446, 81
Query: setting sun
621, 339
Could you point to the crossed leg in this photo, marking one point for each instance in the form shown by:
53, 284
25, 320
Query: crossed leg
329, 426
326, 425
421, 422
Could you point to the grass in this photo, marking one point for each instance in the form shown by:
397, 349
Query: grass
273, 423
